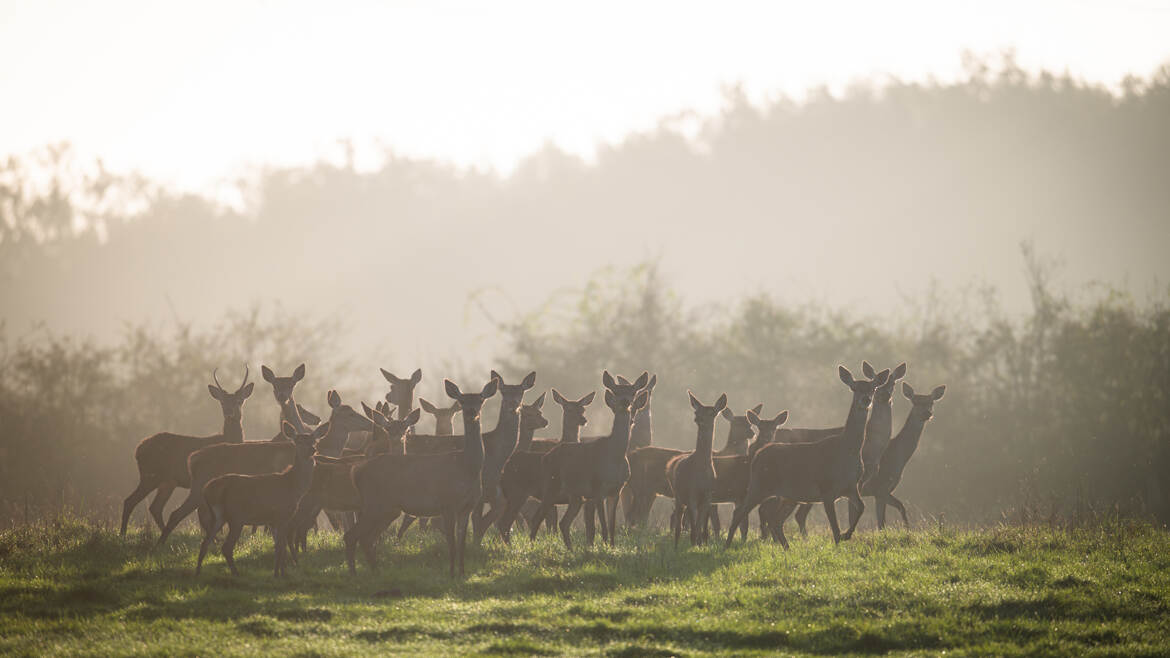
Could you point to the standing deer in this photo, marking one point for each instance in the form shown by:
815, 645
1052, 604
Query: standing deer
270, 499
443, 416
813, 472
596, 470
162, 457
732, 472
893, 462
521, 477
878, 429
692, 475
257, 458
448, 485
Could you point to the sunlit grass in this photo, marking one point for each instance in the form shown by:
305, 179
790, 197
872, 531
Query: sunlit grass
71, 587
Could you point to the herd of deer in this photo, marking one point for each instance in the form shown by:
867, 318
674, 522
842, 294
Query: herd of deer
365, 470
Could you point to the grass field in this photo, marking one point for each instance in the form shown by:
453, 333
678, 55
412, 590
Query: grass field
70, 587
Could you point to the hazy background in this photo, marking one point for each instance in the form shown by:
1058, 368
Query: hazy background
736, 196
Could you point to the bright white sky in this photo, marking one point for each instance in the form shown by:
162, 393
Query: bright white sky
191, 93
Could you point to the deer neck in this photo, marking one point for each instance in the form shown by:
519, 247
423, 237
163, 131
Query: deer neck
525, 440
619, 434
878, 430
570, 430
911, 430
333, 442
854, 432
472, 442
233, 429
302, 473
642, 432
736, 443
444, 426
704, 440
292, 415
507, 431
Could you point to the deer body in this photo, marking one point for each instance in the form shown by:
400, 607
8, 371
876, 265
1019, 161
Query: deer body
812, 472
692, 475
447, 485
162, 457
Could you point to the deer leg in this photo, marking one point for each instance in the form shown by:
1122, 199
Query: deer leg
703, 517
208, 538
539, 516
567, 520
802, 511
141, 491
229, 546
354, 534
784, 508
277, 551
369, 542
194, 498
900, 507
740, 517
406, 521
676, 521
161, 497
461, 541
611, 508
629, 509
856, 509
507, 518
590, 527
715, 523
830, 503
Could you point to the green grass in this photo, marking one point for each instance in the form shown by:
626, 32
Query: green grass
72, 588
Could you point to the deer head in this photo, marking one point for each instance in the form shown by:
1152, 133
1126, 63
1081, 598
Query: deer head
443, 415
511, 395
863, 389
471, 403
394, 429
574, 409
282, 387
766, 427
705, 415
923, 405
741, 428
625, 392
231, 403
401, 392
343, 416
882, 394
531, 418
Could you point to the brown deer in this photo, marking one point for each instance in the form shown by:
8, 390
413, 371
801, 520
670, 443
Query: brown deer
270, 499
812, 472
878, 429
595, 470
732, 472
448, 485
291, 412
443, 416
162, 457
332, 486
893, 462
692, 475
521, 477
258, 458
401, 393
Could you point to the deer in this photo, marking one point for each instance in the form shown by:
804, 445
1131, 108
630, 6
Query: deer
821, 471
162, 457
692, 475
878, 429
732, 471
332, 485
447, 485
257, 458
291, 412
595, 470
893, 461
269, 499
521, 476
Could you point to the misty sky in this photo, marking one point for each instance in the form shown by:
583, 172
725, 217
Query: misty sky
190, 94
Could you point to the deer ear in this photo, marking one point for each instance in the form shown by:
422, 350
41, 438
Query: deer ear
539, 402
427, 406
299, 373
529, 381
899, 372
458, 406
489, 389
266, 373
653, 382
334, 399
758, 408
413, 416
607, 380
908, 391
640, 382
695, 404
845, 375
388, 375
726, 413
416, 376
287, 430
867, 369
308, 416
753, 417
781, 418
882, 377
215, 392
321, 430
640, 401
610, 398
246, 391
496, 375
452, 390
587, 399
558, 398
721, 403
938, 392
368, 411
